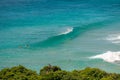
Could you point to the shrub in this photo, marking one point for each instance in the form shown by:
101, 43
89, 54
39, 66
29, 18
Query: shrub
48, 69
55, 73
17, 73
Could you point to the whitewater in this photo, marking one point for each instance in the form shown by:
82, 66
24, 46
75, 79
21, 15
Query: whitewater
114, 38
109, 56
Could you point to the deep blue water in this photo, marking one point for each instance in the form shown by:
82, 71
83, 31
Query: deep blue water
35, 33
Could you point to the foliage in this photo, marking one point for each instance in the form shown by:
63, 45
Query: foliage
48, 69
17, 73
92, 74
55, 73
112, 77
58, 75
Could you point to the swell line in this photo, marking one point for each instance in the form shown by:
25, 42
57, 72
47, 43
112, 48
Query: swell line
74, 33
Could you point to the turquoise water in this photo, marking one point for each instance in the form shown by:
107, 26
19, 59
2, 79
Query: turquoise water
67, 33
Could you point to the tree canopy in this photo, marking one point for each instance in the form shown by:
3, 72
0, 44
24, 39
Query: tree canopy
55, 73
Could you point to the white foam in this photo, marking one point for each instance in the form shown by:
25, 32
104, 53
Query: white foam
109, 56
114, 38
68, 30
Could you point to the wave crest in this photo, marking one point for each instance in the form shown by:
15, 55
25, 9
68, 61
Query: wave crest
67, 31
109, 56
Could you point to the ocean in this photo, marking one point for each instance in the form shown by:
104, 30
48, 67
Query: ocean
72, 34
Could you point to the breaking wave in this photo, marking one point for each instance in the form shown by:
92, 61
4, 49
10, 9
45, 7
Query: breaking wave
67, 31
109, 56
70, 34
114, 38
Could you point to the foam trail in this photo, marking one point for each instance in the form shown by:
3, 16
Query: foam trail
67, 31
109, 56
114, 38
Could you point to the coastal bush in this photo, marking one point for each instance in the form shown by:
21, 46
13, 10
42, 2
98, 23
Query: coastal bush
48, 69
112, 77
58, 75
92, 74
55, 73
18, 73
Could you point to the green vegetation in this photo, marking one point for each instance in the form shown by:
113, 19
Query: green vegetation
55, 73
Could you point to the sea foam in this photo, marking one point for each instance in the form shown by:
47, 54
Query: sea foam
114, 38
68, 30
109, 56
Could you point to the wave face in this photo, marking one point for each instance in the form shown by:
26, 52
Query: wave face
109, 56
68, 35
